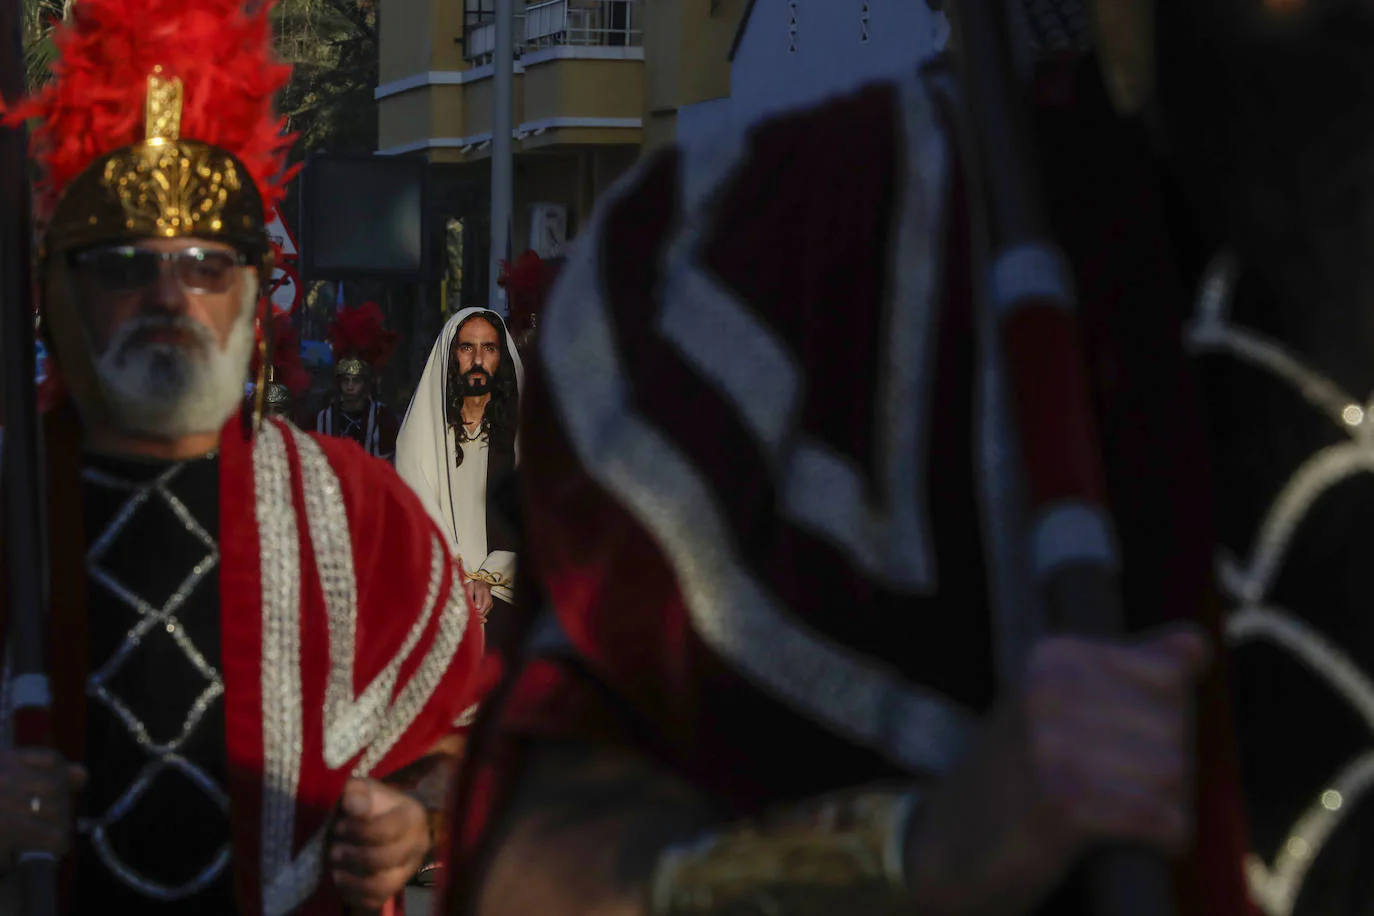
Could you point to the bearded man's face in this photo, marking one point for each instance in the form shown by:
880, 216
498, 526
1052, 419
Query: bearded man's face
476, 354
166, 329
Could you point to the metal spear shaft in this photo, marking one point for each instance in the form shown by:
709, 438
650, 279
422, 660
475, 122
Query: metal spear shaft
1030, 293
25, 535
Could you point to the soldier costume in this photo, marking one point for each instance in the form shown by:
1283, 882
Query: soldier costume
208, 660
362, 347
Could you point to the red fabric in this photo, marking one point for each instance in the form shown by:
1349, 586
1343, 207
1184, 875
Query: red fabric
810, 262
94, 105
1059, 444
361, 332
286, 360
391, 537
527, 283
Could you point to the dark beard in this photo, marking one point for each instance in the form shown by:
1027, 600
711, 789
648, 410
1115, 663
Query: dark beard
461, 387
474, 385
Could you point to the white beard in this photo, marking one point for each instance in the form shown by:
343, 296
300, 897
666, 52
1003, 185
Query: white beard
172, 391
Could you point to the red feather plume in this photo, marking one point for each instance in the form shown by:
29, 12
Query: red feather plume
360, 331
527, 283
286, 360
94, 104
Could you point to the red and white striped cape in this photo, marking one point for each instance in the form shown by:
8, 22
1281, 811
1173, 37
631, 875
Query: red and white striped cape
764, 473
347, 645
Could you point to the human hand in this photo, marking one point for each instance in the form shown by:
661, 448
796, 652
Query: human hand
37, 788
379, 843
479, 596
1110, 736
1096, 748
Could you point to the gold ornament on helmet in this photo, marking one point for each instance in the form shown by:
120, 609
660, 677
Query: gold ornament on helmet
159, 122
361, 343
164, 187
351, 367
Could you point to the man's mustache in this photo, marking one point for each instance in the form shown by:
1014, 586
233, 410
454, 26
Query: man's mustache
476, 371
144, 330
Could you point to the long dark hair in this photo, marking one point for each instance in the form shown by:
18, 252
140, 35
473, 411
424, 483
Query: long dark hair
503, 410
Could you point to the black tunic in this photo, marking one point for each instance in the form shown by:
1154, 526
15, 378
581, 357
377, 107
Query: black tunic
154, 828
1302, 637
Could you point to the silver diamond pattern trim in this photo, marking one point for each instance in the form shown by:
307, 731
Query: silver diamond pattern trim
97, 829
1276, 888
163, 756
354, 723
286, 880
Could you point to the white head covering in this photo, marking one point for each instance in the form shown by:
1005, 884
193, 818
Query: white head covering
424, 448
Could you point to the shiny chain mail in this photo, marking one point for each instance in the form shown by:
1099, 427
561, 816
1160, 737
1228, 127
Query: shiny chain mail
162, 757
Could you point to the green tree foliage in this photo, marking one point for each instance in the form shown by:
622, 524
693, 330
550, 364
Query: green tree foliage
331, 45
38, 16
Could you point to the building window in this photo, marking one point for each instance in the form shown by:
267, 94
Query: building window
478, 12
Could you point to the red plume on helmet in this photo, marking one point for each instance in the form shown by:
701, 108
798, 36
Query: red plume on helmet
527, 283
359, 332
220, 51
286, 360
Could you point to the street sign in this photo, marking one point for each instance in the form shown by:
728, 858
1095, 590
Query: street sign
285, 292
281, 236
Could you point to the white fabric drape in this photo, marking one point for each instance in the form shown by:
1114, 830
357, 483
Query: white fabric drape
425, 450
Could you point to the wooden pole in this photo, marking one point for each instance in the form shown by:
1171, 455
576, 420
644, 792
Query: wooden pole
1030, 293
22, 487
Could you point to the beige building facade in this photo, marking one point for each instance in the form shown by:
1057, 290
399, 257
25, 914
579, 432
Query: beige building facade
598, 82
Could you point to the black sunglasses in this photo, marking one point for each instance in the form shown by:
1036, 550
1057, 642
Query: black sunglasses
126, 268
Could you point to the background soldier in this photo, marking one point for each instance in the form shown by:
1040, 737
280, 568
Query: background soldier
362, 347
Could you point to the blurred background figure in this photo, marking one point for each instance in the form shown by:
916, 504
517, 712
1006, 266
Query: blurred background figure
362, 347
527, 283
287, 378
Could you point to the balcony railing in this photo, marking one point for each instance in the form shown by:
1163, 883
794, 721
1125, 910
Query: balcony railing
480, 43
584, 23
594, 23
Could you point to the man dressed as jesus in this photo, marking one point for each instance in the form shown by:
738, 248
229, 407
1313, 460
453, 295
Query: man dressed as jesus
457, 450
